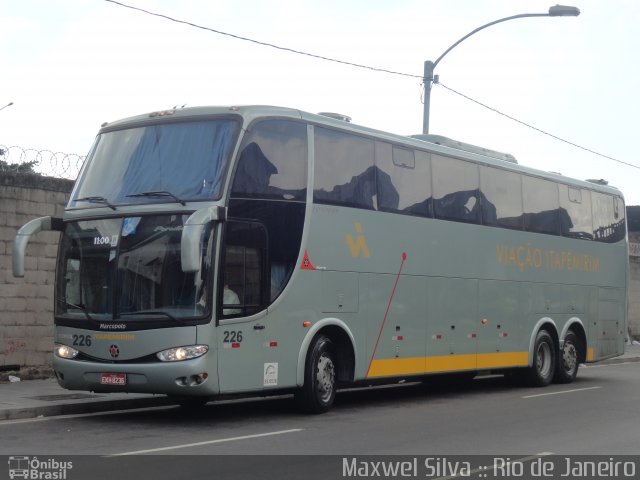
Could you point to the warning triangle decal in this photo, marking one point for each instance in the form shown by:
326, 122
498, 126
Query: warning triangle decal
306, 263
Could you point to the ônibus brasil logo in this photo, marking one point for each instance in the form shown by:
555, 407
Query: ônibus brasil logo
37, 469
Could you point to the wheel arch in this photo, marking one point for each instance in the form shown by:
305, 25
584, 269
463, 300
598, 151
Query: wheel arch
343, 339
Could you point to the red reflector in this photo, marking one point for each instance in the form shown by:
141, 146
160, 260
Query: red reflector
273, 344
235, 345
437, 337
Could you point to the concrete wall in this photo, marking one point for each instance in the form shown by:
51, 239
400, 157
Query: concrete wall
26, 304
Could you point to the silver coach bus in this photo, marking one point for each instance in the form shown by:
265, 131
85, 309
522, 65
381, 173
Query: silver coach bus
252, 250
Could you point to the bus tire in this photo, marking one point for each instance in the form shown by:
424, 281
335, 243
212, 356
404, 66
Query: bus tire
319, 389
541, 373
568, 359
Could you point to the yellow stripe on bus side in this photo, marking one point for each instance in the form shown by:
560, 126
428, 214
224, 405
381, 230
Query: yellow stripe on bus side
397, 366
392, 367
507, 359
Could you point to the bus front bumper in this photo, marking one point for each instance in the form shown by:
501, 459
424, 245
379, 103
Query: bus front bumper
197, 377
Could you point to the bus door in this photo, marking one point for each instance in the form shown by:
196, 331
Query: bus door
242, 296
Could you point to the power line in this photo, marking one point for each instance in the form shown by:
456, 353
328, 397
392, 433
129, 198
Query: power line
265, 44
375, 69
535, 128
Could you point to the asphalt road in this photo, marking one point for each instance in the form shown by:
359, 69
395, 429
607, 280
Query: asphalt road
597, 414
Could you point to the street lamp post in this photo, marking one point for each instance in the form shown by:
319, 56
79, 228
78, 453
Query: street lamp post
429, 66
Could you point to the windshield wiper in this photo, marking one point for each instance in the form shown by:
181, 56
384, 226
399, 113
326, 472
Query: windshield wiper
96, 199
159, 193
155, 312
82, 308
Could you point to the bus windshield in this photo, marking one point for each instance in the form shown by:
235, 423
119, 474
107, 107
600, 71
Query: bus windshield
130, 269
164, 162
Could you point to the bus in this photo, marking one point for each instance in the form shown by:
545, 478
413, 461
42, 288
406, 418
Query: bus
255, 250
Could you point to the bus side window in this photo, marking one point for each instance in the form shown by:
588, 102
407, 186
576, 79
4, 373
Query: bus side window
273, 162
608, 218
403, 180
344, 169
243, 283
456, 189
541, 205
501, 198
575, 212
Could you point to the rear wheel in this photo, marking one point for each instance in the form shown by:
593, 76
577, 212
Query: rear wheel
543, 369
319, 389
568, 363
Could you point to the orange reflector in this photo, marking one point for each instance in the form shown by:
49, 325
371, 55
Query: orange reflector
306, 324
484, 321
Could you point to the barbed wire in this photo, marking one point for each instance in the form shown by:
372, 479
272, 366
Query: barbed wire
44, 162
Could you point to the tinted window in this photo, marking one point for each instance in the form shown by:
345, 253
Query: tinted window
501, 198
187, 159
540, 201
575, 212
404, 180
608, 218
273, 161
242, 286
131, 268
455, 189
284, 222
344, 170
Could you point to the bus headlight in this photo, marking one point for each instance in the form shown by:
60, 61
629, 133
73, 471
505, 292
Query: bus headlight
178, 354
64, 351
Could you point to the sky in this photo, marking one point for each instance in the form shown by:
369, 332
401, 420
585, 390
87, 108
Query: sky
70, 65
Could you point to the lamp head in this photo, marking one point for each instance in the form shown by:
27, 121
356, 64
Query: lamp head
563, 11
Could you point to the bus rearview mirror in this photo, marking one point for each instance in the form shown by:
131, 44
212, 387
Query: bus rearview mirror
192, 236
24, 234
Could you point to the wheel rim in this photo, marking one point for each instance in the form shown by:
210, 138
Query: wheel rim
569, 357
325, 379
543, 360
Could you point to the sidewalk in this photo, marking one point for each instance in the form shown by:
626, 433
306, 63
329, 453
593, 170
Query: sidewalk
35, 398
45, 398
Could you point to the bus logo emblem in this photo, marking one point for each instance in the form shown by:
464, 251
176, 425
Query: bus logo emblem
359, 245
114, 351
19, 467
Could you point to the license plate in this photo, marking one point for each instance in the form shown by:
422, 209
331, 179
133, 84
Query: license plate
113, 378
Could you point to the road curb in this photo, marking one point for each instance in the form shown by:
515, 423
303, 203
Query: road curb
613, 361
84, 407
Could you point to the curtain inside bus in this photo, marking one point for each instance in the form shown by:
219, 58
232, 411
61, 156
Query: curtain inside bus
187, 159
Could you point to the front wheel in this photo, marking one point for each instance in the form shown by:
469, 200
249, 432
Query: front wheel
319, 389
541, 372
567, 365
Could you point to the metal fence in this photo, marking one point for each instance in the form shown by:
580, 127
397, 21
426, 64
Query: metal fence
43, 162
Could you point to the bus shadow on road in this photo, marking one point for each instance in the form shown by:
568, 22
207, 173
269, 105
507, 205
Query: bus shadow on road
432, 391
